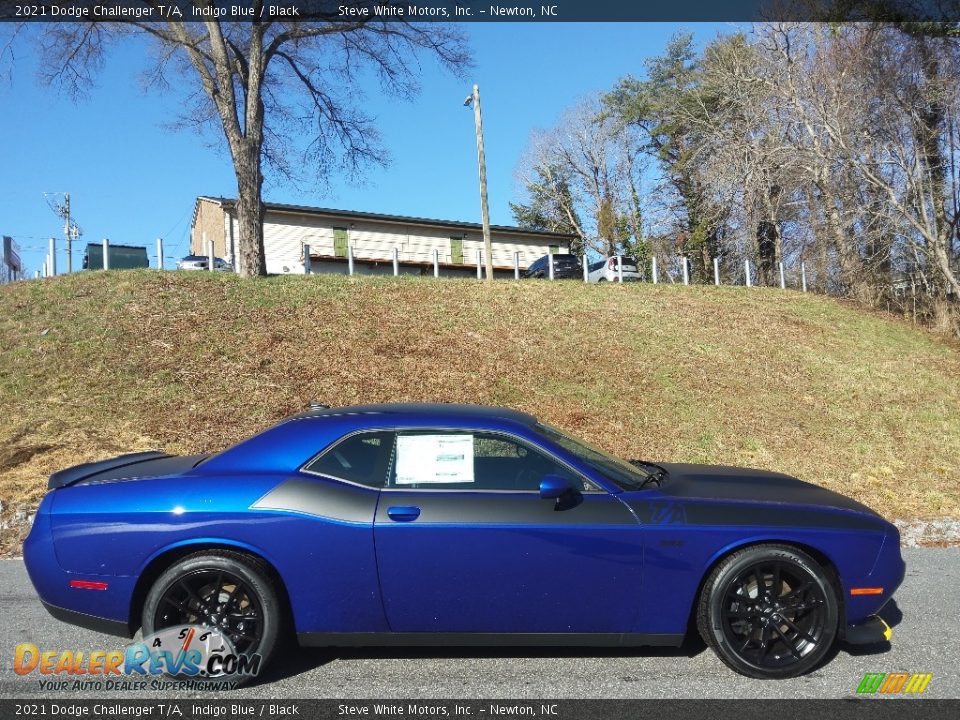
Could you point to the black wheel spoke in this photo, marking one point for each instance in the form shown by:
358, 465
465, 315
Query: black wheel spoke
217, 588
800, 633
786, 641
777, 583
192, 595
233, 594
764, 641
797, 593
803, 606
179, 606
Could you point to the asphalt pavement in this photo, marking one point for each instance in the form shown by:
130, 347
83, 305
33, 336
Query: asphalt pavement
925, 614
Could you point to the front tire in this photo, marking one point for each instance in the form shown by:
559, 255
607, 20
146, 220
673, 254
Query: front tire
228, 591
769, 612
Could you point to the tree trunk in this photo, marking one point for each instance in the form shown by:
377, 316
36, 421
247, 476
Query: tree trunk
250, 251
929, 137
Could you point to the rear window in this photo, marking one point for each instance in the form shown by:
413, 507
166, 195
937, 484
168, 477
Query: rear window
360, 458
564, 260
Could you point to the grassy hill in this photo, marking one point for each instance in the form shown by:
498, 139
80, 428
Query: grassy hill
96, 364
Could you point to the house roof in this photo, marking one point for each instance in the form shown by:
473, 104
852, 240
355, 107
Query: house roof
230, 204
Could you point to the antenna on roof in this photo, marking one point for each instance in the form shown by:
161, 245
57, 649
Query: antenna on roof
317, 405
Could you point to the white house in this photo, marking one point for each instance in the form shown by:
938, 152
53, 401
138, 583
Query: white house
371, 238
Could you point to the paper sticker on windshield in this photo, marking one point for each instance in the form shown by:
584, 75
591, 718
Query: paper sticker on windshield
434, 459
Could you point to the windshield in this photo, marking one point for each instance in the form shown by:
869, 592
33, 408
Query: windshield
620, 472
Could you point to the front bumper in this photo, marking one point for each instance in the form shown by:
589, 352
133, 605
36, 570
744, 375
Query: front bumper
870, 632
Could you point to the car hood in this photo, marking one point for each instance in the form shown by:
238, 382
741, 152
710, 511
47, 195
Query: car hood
717, 482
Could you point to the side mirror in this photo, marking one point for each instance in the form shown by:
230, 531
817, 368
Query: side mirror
554, 486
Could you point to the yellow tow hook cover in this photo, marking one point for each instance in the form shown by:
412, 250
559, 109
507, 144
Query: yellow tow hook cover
887, 630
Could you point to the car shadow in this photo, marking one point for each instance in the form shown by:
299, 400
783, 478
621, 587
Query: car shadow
892, 616
296, 660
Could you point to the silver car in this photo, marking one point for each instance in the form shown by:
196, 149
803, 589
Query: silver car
606, 270
202, 262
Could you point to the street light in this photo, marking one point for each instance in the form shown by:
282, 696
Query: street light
474, 99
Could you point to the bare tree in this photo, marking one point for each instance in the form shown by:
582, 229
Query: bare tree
846, 134
266, 86
583, 175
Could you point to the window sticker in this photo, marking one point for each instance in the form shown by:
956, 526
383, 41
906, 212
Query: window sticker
434, 459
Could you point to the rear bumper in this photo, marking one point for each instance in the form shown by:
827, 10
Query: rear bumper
90, 622
871, 632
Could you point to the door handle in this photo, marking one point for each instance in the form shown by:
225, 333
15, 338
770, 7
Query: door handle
403, 513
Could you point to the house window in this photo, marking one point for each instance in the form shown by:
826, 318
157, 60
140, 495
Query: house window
340, 242
554, 249
456, 250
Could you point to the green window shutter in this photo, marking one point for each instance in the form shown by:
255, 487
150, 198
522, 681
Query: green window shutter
554, 249
456, 250
339, 242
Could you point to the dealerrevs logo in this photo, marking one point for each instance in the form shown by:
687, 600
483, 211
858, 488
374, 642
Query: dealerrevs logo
894, 683
183, 651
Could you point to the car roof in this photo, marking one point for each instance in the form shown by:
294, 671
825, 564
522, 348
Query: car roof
453, 410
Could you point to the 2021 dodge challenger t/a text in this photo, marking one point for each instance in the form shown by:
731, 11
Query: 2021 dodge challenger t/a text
461, 525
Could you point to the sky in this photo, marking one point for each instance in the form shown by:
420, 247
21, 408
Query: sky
131, 179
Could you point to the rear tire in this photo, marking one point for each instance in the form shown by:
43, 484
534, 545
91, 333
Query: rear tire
769, 612
228, 591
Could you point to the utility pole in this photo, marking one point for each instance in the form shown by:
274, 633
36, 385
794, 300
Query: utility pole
474, 100
71, 231
66, 232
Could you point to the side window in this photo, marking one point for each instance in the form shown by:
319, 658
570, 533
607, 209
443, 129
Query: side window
472, 461
361, 458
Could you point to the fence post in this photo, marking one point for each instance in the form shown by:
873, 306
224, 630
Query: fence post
396, 262
349, 259
716, 271
783, 280
307, 269
620, 268
516, 265
653, 267
586, 269
803, 276
159, 253
686, 270
53, 256
436, 263
106, 253
746, 265
479, 264
210, 258
550, 263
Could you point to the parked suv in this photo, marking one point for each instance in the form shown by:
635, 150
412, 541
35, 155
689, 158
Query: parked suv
202, 262
565, 267
606, 270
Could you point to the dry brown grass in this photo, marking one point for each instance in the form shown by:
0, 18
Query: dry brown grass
101, 363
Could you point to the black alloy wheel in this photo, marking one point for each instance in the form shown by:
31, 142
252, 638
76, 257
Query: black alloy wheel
769, 611
225, 591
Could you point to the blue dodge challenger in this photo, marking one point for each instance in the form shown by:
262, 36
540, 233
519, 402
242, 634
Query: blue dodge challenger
442, 524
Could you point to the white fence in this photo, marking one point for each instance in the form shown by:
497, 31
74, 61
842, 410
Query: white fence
681, 273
